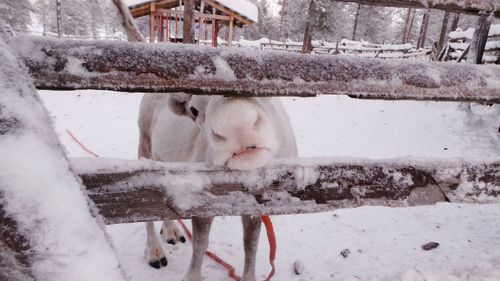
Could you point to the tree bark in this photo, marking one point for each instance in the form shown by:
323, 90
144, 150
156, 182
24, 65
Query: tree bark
287, 187
454, 21
423, 29
407, 26
307, 44
188, 30
356, 23
59, 18
478, 43
122, 66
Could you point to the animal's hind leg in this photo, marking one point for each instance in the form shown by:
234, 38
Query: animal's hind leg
171, 233
155, 256
201, 230
251, 233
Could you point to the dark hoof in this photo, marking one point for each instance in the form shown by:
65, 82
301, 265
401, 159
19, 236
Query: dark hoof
183, 240
171, 241
155, 264
163, 261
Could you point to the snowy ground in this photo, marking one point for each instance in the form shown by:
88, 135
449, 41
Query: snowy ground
384, 243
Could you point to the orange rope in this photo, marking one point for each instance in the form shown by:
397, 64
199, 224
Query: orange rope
81, 144
266, 220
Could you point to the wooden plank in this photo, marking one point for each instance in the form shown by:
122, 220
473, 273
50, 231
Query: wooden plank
171, 13
123, 66
472, 7
130, 191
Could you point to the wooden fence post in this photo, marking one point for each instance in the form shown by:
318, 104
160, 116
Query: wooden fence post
479, 39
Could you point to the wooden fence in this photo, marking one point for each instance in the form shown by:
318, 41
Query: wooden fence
293, 186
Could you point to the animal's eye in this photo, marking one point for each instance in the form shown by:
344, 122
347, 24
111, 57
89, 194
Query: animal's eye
194, 111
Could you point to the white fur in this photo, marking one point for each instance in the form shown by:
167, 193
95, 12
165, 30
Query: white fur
240, 133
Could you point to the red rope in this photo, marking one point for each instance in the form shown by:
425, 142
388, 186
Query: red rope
271, 237
81, 144
266, 220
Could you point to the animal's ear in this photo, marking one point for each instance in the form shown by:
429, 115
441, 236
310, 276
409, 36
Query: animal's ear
177, 103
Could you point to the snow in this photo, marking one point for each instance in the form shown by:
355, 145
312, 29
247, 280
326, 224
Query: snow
469, 33
41, 194
384, 243
242, 7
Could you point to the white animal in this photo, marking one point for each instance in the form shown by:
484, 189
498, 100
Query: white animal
240, 133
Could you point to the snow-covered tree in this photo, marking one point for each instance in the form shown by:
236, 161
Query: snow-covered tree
16, 13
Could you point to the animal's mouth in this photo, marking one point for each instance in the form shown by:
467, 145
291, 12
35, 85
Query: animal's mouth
248, 158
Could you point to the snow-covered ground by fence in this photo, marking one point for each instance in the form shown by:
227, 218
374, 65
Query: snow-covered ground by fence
377, 243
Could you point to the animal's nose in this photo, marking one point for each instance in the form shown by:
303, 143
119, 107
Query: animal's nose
239, 124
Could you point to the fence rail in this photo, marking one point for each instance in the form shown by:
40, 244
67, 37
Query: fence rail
142, 67
130, 191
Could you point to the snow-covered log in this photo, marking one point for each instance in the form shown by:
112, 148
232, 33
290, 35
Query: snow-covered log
473, 7
133, 190
142, 67
47, 231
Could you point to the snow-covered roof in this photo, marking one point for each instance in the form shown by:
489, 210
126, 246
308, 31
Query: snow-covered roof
243, 7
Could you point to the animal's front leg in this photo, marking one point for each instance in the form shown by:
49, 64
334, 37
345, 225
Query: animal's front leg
201, 230
171, 232
155, 256
251, 233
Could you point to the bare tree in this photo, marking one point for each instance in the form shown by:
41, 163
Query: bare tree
307, 44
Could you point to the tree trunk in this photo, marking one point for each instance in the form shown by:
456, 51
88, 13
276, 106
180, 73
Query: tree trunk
188, 32
307, 44
479, 40
59, 18
283, 12
356, 23
410, 27
444, 31
454, 21
423, 29
407, 26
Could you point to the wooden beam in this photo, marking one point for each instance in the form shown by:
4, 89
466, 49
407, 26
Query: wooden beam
123, 66
171, 13
119, 190
472, 7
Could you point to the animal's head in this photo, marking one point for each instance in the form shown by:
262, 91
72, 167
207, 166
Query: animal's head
241, 132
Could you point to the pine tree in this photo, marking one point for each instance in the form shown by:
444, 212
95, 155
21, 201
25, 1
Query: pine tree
16, 13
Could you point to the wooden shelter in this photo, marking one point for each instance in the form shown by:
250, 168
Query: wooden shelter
165, 17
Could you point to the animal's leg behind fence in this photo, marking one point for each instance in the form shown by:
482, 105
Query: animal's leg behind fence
201, 230
171, 233
155, 256
251, 233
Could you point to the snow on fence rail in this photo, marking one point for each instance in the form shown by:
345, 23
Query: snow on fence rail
144, 67
131, 191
